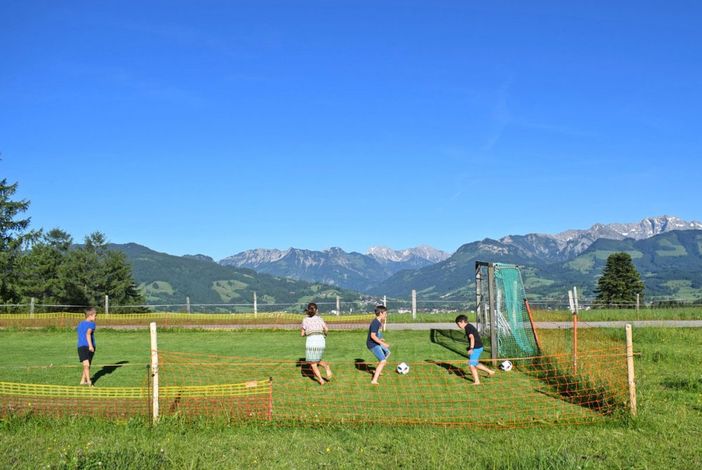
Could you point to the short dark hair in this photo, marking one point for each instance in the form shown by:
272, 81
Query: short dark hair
461, 318
89, 310
380, 309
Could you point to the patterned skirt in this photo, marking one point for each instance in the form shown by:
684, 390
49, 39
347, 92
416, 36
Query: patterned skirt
314, 347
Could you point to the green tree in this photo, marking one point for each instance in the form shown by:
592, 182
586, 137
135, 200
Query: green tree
620, 281
14, 236
92, 271
40, 265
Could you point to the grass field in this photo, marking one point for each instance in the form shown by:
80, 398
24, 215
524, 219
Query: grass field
667, 431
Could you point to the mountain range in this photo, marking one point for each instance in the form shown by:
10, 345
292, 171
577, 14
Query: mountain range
666, 251
356, 271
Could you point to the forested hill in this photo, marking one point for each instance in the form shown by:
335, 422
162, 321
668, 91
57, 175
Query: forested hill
670, 265
169, 279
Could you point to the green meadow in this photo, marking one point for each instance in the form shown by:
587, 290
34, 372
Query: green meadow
666, 431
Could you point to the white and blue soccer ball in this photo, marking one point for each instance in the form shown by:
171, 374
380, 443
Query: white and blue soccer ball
506, 366
402, 368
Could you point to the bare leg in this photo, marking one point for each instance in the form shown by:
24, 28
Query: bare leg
315, 369
327, 369
85, 378
377, 372
485, 369
474, 373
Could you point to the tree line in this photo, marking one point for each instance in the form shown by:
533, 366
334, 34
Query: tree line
49, 267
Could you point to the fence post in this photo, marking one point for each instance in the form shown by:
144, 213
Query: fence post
107, 304
338, 305
572, 299
630, 370
31, 307
414, 304
255, 304
187, 304
385, 301
638, 300
154, 373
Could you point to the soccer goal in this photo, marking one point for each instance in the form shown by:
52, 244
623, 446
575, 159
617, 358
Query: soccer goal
502, 310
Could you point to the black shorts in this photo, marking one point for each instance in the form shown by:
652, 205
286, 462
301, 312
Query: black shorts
84, 354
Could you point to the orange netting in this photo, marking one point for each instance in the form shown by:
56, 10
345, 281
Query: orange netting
538, 390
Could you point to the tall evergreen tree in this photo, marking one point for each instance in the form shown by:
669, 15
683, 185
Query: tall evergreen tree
620, 281
92, 271
14, 235
40, 266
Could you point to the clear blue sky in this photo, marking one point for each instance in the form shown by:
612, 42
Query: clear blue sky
219, 126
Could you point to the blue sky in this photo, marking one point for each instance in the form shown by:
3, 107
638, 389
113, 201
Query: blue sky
219, 126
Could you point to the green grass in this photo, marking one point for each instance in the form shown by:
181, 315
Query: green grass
629, 314
666, 433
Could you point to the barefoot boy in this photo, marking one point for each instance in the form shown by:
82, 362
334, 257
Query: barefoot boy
376, 343
86, 344
475, 347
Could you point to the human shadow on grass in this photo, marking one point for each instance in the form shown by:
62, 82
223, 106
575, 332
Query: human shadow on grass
451, 368
108, 369
453, 340
305, 369
363, 366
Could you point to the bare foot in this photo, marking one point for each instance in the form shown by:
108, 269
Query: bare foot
476, 383
374, 383
491, 373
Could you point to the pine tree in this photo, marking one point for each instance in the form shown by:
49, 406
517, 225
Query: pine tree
40, 266
92, 271
13, 238
620, 281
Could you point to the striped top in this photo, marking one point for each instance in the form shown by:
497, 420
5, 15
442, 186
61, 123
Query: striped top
313, 325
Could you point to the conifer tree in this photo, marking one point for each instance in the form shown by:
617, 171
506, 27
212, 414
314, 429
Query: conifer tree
619, 283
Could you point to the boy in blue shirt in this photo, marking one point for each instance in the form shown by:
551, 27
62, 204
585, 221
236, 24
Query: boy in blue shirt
375, 342
475, 348
86, 344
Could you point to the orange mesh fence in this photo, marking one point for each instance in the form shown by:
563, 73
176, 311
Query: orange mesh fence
538, 390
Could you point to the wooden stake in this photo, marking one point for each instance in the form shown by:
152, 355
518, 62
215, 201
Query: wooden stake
154, 373
414, 304
630, 370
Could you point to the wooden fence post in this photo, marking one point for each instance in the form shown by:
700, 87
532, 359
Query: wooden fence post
338, 306
107, 304
31, 307
187, 304
154, 373
630, 370
414, 304
255, 303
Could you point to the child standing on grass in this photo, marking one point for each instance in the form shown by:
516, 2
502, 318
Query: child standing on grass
475, 348
376, 343
315, 328
86, 344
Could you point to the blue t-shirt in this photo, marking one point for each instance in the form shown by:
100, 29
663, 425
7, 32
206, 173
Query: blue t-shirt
374, 328
82, 330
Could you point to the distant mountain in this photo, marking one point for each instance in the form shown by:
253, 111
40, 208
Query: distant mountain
335, 266
168, 279
670, 264
410, 258
568, 244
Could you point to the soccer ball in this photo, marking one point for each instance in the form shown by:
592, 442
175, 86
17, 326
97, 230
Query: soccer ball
402, 368
506, 366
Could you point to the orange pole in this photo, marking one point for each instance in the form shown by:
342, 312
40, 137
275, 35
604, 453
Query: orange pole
533, 327
575, 343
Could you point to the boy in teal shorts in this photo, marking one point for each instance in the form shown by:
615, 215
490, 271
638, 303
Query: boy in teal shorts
375, 342
475, 347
